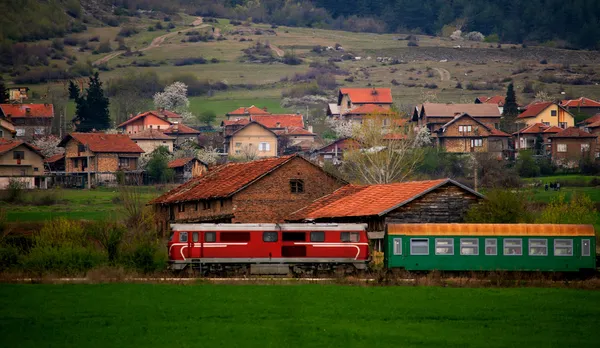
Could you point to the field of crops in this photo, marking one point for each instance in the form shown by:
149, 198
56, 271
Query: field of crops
145, 315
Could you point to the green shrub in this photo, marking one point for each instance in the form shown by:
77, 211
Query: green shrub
110, 236
501, 206
65, 260
61, 233
15, 191
147, 257
9, 257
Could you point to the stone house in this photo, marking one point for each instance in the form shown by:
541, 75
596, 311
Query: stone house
436, 115
245, 113
187, 168
581, 105
548, 113
30, 120
264, 191
334, 152
150, 139
252, 141
20, 161
7, 130
350, 99
535, 138
162, 121
432, 201
571, 146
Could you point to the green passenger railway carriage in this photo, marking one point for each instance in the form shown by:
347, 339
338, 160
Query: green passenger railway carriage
490, 247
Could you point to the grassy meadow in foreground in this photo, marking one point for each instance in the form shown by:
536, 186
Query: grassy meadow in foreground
145, 315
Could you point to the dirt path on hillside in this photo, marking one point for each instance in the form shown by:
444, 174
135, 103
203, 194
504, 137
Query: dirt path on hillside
278, 51
444, 74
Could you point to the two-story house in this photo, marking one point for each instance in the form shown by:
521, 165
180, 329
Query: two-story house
30, 120
254, 140
20, 161
536, 138
162, 121
150, 139
355, 103
245, 113
571, 145
548, 113
581, 105
435, 115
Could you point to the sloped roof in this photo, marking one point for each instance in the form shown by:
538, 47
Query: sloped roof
451, 110
223, 181
180, 162
150, 134
241, 121
20, 110
180, 129
573, 132
295, 131
535, 108
343, 143
553, 129
581, 102
367, 109
142, 115
167, 113
532, 129
334, 109
590, 120
248, 125
369, 200
7, 145
458, 117
368, 95
498, 133
594, 125
284, 120
102, 142
7, 125
252, 110
55, 158
497, 100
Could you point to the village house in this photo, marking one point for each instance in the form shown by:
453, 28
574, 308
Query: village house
295, 139
7, 130
334, 152
187, 168
536, 138
150, 139
498, 100
581, 105
465, 134
30, 120
435, 115
18, 94
55, 163
245, 113
261, 191
571, 145
355, 103
432, 201
548, 113
593, 128
585, 124
99, 154
163, 121
21, 161
254, 140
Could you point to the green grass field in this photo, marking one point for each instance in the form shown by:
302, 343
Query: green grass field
144, 315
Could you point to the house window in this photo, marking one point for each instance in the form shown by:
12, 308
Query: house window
469, 246
523, 143
317, 236
546, 123
464, 129
206, 205
386, 121
553, 112
80, 148
561, 147
20, 132
513, 246
39, 131
563, 247
585, 147
491, 246
349, 237
237, 152
238, 144
181, 207
585, 247
476, 142
397, 246
264, 147
269, 237
444, 246
210, 237
349, 104
538, 247
297, 186
18, 155
419, 246
562, 125
123, 162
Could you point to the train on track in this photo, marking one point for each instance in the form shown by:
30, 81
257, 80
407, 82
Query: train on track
344, 248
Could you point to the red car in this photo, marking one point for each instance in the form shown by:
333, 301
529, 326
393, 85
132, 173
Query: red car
269, 248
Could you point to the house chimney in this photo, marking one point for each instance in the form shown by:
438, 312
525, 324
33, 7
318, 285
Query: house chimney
277, 125
374, 91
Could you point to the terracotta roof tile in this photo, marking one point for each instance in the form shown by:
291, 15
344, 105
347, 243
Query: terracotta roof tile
553, 129
498, 133
20, 110
242, 122
594, 125
297, 131
7, 145
497, 100
102, 142
222, 181
451, 110
150, 134
8, 125
368, 95
580, 103
138, 116
166, 113
180, 129
180, 162
252, 110
534, 109
593, 119
284, 120
573, 132
55, 158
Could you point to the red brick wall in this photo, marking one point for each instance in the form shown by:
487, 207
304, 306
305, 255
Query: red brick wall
573, 154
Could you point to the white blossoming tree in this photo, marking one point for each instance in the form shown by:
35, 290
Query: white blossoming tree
48, 145
174, 98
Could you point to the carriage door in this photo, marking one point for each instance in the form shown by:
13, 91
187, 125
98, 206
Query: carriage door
194, 245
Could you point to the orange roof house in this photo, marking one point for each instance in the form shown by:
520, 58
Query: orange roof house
280, 121
535, 137
367, 95
497, 100
357, 102
549, 113
581, 102
246, 112
29, 120
13, 111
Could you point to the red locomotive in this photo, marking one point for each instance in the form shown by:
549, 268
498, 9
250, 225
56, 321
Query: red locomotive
269, 248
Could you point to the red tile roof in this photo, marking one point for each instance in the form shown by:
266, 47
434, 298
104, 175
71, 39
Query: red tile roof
533, 129
284, 120
223, 181
252, 110
20, 110
7, 145
573, 132
150, 134
593, 119
342, 144
497, 100
368, 95
580, 103
55, 158
241, 121
553, 129
594, 125
534, 109
296, 131
368, 109
102, 142
180, 129
180, 162
138, 116
369, 200
498, 133
166, 113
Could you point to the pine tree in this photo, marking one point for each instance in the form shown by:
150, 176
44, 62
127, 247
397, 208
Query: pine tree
3, 93
92, 109
74, 91
510, 111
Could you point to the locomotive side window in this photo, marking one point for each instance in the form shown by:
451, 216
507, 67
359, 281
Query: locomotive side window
419, 246
210, 237
269, 236
444, 246
183, 237
513, 246
563, 247
293, 236
349, 237
491, 246
195, 237
397, 246
469, 246
538, 247
585, 247
235, 236
317, 236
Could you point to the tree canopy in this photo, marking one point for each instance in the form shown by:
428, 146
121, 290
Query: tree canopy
92, 108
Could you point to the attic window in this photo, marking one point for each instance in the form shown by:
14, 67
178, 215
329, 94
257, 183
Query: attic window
80, 148
297, 186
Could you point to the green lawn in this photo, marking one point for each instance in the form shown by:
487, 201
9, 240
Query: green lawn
223, 106
540, 195
145, 315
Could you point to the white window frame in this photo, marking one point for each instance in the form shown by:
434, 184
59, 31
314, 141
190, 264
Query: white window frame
397, 246
543, 247
585, 147
558, 247
561, 147
491, 245
474, 246
264, 147
586, 243
20, 132
418, 240
449, 245
520, 246
477, 142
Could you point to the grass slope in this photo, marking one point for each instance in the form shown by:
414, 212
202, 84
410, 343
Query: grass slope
134, 315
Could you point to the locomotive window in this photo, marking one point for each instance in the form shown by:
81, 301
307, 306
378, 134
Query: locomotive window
293, 236
397, 246
538, 247
513, 246
349, 237
585, 247
419, 246
491, 246
469, 246
195, 237
444, 246
210, 237
563, 247
317, 236
235, 236
269, 236
183, 237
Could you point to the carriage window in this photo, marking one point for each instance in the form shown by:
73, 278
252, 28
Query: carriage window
538, 247
269, 236
491, 246
469, 246
293, 236
349, 237
183, 237
210, 237
563, 247
397, 246
195, 237
444, 246
419, 246
317, 236
513, 247
585, 247
235, 236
